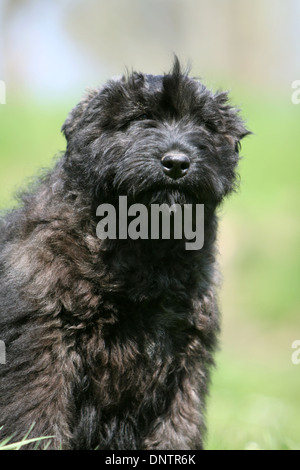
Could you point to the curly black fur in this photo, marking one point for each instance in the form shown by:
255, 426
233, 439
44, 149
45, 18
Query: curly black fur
109, 343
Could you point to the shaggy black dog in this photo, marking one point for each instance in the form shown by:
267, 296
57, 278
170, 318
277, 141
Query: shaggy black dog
109, 342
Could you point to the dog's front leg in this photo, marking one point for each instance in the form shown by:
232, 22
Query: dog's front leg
181, 428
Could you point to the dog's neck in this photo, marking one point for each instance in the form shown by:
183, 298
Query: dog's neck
153, 269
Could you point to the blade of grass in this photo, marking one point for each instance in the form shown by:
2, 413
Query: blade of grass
18, 445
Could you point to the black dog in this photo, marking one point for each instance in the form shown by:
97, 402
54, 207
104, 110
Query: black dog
109, 342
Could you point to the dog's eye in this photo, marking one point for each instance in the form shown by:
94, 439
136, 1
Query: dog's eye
141, 117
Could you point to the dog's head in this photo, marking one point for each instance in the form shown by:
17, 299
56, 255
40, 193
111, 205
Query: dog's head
154, 138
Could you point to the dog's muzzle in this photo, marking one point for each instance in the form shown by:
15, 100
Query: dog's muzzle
175, 165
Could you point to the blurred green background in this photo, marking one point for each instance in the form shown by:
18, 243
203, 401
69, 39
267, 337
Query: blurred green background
51, 50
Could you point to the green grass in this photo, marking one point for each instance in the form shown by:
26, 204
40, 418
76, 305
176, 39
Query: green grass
10, 444
254, 400
253, 405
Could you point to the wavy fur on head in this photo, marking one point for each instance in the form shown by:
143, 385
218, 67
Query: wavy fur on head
109, 343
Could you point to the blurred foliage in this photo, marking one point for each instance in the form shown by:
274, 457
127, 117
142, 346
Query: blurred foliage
254, 401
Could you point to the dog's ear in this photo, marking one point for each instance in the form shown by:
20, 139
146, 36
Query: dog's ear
230, 122
74, 117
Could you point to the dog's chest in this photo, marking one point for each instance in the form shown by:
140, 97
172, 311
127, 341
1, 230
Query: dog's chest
157, 346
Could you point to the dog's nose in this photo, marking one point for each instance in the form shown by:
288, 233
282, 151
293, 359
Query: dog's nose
175, 164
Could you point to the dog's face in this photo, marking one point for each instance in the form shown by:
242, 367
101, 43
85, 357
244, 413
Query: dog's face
155, 139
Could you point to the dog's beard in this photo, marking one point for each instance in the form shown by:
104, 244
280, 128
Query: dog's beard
149, 190
169, 196
143, 181
156, 189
